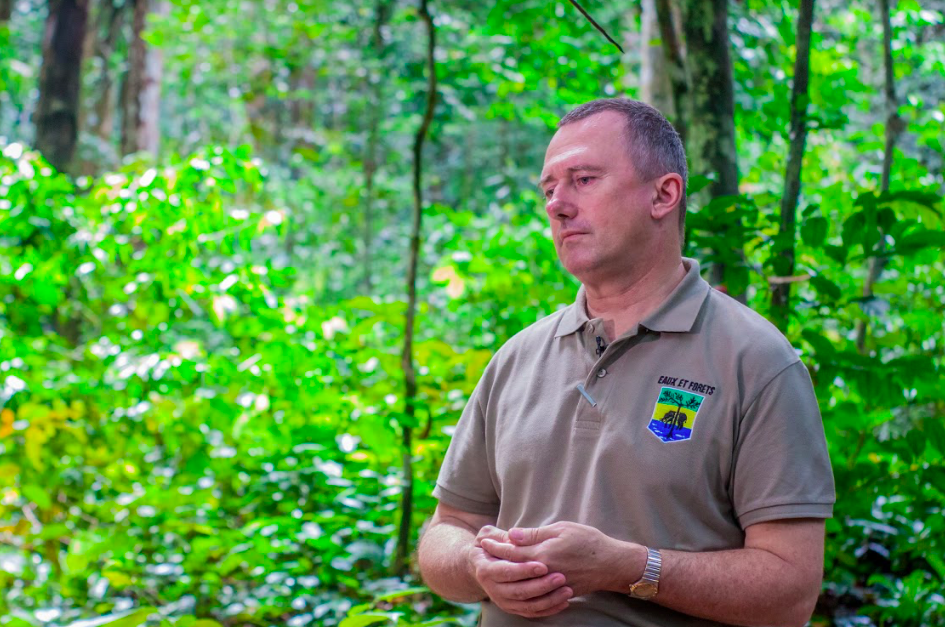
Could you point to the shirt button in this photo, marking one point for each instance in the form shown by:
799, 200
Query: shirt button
602, 373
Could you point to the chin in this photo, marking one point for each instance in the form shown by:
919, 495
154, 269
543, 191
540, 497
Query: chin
579, 267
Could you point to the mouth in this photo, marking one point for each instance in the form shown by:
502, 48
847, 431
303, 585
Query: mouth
566, 235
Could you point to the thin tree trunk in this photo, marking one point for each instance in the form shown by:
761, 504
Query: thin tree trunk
675, 65
785, 244
376, 102
711, 125
57, 113
894, 127
6, 10
105, 104
655, 87
300, 108
149, 129
134, 81
410, 379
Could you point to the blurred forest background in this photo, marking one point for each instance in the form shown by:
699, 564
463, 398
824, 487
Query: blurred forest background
254, 255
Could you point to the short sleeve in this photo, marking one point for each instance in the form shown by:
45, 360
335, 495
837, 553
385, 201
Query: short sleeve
781, 468
465, 480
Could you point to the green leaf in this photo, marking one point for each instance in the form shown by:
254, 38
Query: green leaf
720, 204
397, 594
697, 184
854, 230
46, 293
916, 442
134, 618
937, 563
929, 200
826, 287
37, 495
365, 619
814, 231
934, 432
917, 240
837, 253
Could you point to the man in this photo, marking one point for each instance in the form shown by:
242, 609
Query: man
652, 454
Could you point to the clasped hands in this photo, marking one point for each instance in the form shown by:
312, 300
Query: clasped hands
534, 572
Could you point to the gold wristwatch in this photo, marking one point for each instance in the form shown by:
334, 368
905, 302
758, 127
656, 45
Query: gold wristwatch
649, 583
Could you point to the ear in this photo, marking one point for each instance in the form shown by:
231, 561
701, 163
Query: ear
667, 192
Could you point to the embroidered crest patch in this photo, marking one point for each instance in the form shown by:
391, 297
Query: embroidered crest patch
675, 414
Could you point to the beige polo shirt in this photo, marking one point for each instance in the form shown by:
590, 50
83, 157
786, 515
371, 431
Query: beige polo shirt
692, 426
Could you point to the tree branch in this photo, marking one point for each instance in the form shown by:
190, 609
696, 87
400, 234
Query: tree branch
596, 25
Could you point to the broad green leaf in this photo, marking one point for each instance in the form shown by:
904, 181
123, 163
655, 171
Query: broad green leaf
814, 231
361, 620
397, 594
826, 287
37, 495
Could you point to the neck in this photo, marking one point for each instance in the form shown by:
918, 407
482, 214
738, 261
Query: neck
624, 301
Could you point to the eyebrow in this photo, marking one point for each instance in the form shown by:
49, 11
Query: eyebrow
574, 168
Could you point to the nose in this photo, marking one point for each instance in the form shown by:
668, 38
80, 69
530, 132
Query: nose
560, 206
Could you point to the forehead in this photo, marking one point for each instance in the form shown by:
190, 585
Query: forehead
600, 136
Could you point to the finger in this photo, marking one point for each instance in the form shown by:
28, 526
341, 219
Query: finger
531, 589
530, 536
545, 605
552, 611
499, 535
506, 551
501, 571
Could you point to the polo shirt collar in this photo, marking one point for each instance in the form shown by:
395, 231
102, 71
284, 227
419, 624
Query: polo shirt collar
676, 314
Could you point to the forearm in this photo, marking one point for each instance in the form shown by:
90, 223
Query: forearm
445, 562
748, 586
773, 581
743, 587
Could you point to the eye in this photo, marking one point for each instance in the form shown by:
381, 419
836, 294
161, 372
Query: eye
584, 180
549, 193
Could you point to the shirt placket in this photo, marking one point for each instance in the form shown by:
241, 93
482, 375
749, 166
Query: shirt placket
597, 383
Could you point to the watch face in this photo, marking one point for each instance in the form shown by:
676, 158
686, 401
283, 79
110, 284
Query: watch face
644, 590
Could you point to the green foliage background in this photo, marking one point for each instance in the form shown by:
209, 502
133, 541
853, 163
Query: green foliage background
200, 372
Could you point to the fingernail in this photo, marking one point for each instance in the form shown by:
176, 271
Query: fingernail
557, 579
517, 535
538, 571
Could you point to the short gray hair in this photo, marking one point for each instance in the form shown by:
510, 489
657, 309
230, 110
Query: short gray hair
654, 146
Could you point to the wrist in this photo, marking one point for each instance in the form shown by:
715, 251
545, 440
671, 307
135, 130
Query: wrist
627, 567
470, 558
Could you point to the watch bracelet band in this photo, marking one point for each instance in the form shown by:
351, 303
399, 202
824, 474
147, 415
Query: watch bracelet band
651, 575
654, 566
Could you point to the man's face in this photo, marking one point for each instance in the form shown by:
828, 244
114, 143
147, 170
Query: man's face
598, 206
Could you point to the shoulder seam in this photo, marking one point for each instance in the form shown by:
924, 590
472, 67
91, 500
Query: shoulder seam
761, 389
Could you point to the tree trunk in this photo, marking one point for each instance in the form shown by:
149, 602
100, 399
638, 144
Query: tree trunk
711, 125
131, 140
894, 127
382, 10
149, 129
57, 113
6, 10
410, 378
99, 117
785, 242
675, 65
655, 87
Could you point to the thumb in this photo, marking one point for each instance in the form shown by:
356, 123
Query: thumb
528, 537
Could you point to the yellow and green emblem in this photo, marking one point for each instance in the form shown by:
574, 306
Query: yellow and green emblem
675, 414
